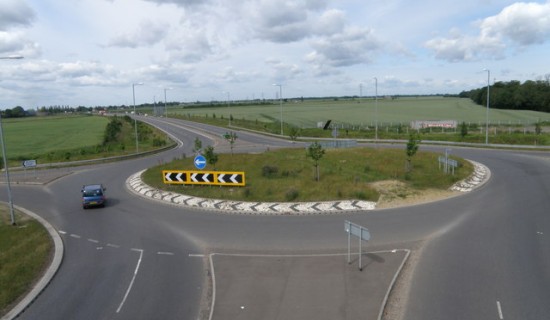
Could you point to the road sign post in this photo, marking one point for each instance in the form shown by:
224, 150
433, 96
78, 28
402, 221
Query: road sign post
361, 233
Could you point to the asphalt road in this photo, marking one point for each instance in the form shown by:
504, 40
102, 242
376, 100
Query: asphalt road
482, 255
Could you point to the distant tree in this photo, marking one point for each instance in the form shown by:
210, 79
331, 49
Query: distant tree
211, 156
463, 129
412, 148
293, 135
112, 130
18, 112
198, 146
231, 137
315, 151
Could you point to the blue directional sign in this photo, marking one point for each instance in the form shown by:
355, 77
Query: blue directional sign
200, 162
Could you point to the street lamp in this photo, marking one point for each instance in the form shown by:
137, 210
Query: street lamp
10, 199
376, 108
280, 103
487, 113
228, 106
135, 114
165, 108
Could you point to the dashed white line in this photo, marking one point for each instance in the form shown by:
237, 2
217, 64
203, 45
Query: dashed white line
112, 245
499, 311
196, 255
93, 240
165, 253
133, 279
76, 236
62, 232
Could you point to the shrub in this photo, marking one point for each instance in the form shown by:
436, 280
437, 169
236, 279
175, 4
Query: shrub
291, 194
360, 195
269, 171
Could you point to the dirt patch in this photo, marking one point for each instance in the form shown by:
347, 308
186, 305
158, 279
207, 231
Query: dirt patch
395, 193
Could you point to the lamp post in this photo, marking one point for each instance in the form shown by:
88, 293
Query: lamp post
280, 103
228, 107
135, 114
487, 112
165, 108
8, 184
376, 108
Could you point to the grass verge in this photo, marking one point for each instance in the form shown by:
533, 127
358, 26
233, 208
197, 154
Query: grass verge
25, 251
288, 175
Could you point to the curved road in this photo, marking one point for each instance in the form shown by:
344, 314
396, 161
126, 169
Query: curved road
482, 255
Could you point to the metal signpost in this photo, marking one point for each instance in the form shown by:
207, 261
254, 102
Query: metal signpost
29, 164
360, 232
448, 164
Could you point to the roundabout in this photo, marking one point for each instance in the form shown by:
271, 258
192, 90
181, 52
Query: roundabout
480, 175
143, 258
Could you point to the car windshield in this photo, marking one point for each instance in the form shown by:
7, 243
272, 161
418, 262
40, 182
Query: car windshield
92, 193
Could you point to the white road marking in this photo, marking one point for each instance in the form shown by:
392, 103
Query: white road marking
499, 310
93, 240
76, 236
133, 279
196, 255
112, 245
62, 232
164, 253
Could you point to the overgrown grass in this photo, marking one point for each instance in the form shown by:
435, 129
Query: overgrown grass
345, 174
25, 251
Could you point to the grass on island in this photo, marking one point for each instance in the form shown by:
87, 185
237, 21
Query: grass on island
288, 175
25, 251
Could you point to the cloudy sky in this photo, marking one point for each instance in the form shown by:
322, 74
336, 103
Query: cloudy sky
90, 52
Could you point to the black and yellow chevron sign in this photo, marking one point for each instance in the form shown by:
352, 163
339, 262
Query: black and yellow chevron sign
218, 178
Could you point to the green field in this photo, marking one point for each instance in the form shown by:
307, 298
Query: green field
32, 136
75, 137
307, 113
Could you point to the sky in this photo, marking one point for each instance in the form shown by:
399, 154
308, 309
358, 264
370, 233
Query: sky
101, 52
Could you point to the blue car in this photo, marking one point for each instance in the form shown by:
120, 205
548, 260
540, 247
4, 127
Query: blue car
93, 195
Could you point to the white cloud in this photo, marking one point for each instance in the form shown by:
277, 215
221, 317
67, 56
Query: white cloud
353, 46
148, 33
520, 24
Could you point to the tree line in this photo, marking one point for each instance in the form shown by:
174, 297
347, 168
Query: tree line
513, 95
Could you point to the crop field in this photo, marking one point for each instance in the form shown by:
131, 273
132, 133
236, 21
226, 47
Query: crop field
365, 112
39, 135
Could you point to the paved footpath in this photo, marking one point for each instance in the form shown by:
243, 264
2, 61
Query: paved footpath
480, 175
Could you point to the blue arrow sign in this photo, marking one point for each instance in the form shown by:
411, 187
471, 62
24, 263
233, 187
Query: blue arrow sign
200, 162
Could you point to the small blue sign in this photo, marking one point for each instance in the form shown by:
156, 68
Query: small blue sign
200, 162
